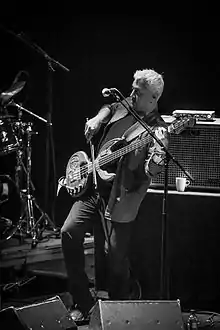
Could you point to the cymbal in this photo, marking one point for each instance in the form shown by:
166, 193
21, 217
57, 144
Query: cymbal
13, 90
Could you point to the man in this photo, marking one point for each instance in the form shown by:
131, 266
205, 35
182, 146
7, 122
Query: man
122, 196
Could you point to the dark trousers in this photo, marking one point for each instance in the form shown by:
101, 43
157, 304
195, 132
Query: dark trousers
111, 266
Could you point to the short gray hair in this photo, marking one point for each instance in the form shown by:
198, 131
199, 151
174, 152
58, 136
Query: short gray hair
151, 80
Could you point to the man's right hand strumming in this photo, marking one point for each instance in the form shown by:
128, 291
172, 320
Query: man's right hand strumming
92, 126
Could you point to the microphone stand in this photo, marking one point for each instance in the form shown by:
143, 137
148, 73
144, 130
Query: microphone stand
163, 271
51, 64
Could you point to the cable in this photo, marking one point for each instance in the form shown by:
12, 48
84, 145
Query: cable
18, 284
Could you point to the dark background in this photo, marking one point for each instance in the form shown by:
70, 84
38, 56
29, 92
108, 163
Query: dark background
104, 51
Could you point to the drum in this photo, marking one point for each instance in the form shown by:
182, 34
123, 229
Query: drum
10, 209
8, 139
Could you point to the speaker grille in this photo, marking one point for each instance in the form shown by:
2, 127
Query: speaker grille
197, 149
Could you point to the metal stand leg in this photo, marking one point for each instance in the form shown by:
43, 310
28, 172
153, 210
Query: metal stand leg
28, 224
35, 227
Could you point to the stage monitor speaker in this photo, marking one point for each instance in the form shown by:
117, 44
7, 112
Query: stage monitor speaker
137, 314
197, 149
50, 314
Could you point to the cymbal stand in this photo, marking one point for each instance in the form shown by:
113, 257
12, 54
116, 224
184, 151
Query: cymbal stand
34, 227
20, 130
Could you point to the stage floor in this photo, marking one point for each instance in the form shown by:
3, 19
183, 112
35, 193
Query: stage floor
21, 263
34, 274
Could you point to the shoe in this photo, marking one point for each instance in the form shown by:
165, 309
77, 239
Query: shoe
78, 317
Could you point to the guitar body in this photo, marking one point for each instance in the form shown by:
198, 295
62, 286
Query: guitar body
107, 172
79, 168
77, 174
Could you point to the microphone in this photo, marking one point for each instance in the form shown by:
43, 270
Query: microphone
109, 91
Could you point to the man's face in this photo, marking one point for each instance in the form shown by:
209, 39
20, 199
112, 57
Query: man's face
142, 98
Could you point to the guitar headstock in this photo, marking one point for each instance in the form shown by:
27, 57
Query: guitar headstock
179, 125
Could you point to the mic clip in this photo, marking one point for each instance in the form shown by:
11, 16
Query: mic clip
106, 92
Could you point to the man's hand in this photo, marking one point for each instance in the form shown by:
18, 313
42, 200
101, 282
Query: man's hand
156, 153
5, 189
92, 126
161, 134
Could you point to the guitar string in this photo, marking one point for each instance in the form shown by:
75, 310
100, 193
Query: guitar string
118, 153
109, 158
133, 146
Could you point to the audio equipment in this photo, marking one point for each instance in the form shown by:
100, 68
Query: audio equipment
137, 314
50, 314
198, 150
200, 115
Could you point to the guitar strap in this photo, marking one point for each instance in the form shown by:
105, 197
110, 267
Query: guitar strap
101, 208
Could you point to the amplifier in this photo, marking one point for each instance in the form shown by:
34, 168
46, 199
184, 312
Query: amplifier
197, 149
200, 115
137, 314
50, 314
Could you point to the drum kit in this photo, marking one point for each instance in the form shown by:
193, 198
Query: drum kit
20, 213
